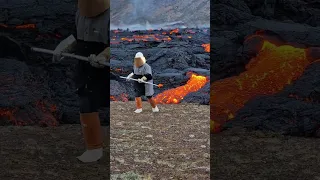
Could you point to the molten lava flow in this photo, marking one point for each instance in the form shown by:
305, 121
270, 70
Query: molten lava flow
174, 96
4, 26
118, 70
7, 113
174, 31
47, 111
206, 47
123, 97
151, 36
8, 116
268, 73
24, 26
145, 38
45, 115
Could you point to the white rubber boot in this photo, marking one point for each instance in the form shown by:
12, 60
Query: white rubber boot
91, 155
156, 109
138, 110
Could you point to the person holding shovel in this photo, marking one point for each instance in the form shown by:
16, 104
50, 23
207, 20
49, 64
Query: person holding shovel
92, 79
143, 73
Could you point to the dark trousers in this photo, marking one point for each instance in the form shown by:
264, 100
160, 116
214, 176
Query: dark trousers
93, 83
140, 90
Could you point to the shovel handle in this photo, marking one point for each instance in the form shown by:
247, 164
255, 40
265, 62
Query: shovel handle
82, 58
158, 85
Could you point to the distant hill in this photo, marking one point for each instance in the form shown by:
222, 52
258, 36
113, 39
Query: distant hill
152, 14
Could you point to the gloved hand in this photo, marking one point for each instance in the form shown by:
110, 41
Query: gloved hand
142, 80
97, 61
64, 46
129, 76
102, 58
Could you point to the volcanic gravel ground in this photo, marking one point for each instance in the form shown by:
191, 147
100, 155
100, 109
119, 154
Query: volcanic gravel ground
47, 153
239, 154
172, 144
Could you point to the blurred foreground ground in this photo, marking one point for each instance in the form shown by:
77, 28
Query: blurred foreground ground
30, 153
241, 155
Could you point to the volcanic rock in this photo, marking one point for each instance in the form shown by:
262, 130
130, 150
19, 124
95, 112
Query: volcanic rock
224, 14
289, 32
199, 71
116, 89
201, 96
24, 99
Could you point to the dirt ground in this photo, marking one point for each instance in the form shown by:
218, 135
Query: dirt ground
30, 153
171, 144
240, 155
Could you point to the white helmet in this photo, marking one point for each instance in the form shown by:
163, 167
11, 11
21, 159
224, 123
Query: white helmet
140, 55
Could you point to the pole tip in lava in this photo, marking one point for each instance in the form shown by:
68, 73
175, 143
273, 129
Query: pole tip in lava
160, 85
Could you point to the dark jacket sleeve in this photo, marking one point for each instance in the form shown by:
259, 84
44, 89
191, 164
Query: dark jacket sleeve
148, 73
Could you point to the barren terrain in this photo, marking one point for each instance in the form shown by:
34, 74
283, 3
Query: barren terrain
241, 155
46, 154
172, 144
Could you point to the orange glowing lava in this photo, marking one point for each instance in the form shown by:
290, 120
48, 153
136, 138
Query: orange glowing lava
206, 47
174, 96
268, 73
174, 31
24, 26
145, 38
123, 97
162, 36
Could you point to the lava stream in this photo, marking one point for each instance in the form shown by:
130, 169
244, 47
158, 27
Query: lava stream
122, 97
174, 96
268, 73
206, 47
24, 26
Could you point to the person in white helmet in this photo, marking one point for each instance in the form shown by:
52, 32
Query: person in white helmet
143, 72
